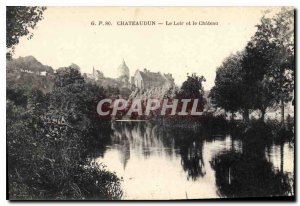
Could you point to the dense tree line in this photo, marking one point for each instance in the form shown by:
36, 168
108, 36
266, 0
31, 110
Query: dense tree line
262, 75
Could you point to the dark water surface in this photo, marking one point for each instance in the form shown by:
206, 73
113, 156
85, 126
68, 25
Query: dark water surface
160, 163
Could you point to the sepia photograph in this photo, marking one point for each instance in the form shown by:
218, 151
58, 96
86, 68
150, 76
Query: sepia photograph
150, 103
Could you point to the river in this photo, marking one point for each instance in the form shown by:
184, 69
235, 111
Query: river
159, 163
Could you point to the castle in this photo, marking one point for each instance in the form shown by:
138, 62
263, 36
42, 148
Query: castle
142, 79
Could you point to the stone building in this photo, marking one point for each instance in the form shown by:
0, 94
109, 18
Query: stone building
147, 80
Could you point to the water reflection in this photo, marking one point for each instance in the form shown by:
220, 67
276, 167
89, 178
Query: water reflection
237, 175
162, 163
149, 139
250, 173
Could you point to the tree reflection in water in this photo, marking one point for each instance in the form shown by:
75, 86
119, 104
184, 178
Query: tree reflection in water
190, 146
146, 138
242, 168
249, 173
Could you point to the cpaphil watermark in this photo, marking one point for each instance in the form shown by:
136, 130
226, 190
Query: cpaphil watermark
146, 107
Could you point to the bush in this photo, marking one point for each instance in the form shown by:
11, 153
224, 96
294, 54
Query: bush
48, 160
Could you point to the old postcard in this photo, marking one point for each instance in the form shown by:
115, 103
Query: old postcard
150, 103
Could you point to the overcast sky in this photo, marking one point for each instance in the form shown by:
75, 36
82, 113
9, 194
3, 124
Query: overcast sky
66, 36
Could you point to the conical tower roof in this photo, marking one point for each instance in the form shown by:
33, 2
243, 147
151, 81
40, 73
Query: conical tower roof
123, 69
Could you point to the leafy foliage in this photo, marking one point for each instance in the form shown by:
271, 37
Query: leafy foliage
49, 141
228, 84
263, 75
192, 87
19, 21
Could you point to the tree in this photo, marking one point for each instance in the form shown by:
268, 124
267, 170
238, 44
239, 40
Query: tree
77, 101
19, 21
269, 62
192, 87
228, 90
281, 73
264, 75
68, 75
17, 95
255, 64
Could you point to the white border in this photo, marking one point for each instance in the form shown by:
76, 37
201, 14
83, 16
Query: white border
5, 3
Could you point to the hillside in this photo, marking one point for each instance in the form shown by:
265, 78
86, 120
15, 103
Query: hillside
29, 63
29, 73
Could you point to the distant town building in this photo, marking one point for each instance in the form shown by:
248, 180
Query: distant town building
141, 79
95, 76
147, 80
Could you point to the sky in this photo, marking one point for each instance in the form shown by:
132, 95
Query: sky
66, 36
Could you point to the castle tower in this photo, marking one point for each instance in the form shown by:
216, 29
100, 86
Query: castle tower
123, 72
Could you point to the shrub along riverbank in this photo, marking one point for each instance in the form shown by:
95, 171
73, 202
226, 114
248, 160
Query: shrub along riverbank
49, 137
270, 130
